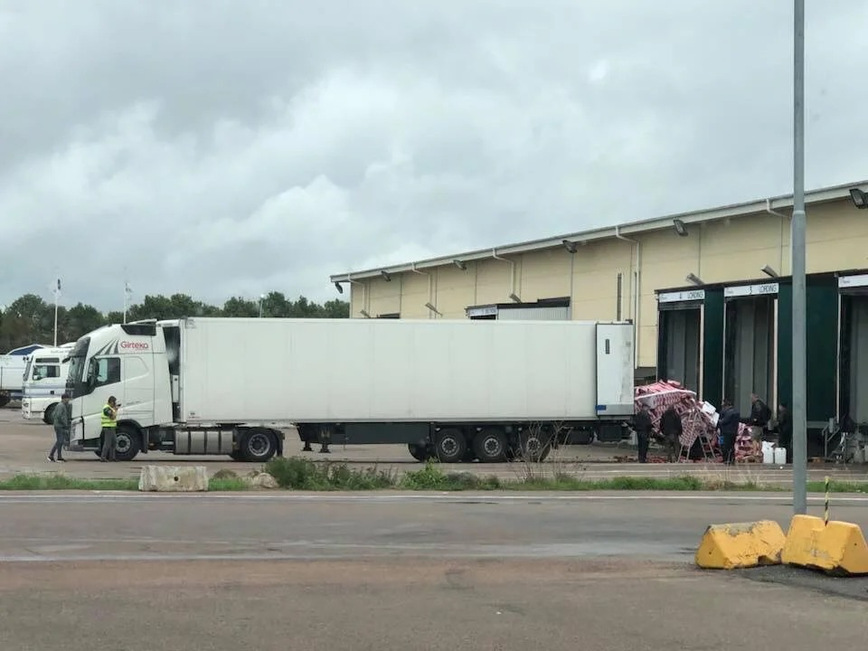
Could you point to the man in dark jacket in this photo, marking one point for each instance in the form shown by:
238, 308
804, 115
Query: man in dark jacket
727, 425
643, 427
785, 430
672, 429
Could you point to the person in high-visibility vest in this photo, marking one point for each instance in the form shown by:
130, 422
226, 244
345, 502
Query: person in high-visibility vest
109, 422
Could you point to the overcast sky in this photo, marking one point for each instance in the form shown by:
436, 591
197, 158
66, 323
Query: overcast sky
230, 148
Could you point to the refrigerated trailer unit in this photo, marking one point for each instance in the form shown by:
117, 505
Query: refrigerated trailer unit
456, 390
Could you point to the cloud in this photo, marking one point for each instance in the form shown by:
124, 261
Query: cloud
267, 145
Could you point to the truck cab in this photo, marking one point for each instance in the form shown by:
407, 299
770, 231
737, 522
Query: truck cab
44, 381
127, 361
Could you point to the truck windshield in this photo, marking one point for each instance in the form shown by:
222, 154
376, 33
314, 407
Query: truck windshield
27, 368
75, 381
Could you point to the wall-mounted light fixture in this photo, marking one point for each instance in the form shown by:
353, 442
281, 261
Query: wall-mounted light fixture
515, 298
433, 309
768, 271
680, 228
569, 246
859, 198
386, 275
693, 278
460, 264
339, 287
365, 314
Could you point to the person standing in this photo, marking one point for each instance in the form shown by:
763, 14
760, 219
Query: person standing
727, 425
643, 427
109, 422
760, 415
785, 430
672, 429
61, 420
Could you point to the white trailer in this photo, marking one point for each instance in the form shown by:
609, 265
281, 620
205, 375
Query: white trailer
457, 390
44, 381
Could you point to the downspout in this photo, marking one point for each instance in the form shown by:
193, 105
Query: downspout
637, 292
512, 270
781, 247
352, 282
430, 283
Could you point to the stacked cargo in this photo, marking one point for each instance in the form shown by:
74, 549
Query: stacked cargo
698, 419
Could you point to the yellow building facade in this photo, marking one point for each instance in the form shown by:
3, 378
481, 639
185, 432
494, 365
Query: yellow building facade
616, 273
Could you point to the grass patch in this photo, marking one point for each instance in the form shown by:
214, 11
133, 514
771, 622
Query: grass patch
225, 485
838, 487
63, 482
303, 474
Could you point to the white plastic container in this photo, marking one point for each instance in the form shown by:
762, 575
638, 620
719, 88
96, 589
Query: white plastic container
780, 456
768, 453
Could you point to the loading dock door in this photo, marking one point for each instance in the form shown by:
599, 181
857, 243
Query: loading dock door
749, 344
853, 357
679, 332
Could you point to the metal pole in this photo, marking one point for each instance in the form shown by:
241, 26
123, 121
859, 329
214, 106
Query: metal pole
797, 241
56, 299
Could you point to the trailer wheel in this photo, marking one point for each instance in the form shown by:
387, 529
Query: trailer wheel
534, 446
490, 445
258, 445
129, 443
418, 452
450, 445
48, 413
5, 398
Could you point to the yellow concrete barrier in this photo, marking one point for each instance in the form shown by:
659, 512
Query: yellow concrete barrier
836, 547
741, 544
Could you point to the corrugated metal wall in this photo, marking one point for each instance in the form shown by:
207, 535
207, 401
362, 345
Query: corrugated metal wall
534, 314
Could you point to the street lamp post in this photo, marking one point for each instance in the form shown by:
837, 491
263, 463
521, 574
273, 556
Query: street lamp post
797, 242
261, 298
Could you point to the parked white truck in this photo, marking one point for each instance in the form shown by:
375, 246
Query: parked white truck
44, 381
457, 390
12, 366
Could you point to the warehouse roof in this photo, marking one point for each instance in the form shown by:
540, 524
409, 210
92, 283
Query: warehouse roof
820, 195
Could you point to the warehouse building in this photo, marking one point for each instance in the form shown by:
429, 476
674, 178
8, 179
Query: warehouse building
709, 293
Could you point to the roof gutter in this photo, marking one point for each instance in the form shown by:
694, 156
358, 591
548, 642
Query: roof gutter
636, 293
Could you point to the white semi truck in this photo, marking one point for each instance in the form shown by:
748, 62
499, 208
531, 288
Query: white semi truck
12, 366
456, 390
44, 381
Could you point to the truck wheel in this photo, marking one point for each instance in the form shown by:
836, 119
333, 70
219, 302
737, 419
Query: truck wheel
129, 443
450, 445
258, 445
418, 452
535, 446
490, 445
4, 399
48, 413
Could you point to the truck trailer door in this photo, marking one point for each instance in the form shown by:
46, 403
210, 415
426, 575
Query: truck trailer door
614, 369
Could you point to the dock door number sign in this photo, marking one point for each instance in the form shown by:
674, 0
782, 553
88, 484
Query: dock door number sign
751, 290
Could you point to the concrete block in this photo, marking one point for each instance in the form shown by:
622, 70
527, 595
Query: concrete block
184, 479
741, 544
836, 548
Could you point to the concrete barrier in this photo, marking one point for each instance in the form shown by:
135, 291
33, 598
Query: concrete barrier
836, 548
741, 544
183, 479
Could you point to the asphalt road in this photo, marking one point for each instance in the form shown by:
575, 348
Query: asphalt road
391, 571
25, 444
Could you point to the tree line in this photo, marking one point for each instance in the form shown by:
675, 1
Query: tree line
29, 319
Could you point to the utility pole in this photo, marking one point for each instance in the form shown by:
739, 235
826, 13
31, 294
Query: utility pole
127, 293
797, 242
56, 300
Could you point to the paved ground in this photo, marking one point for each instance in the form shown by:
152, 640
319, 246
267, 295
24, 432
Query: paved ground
24, 444
391, 571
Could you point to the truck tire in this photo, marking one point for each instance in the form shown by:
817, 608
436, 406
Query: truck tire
490, 445
258, 445
48, 413
450, 445
418, 452
5, 398
534, 446
129, 443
